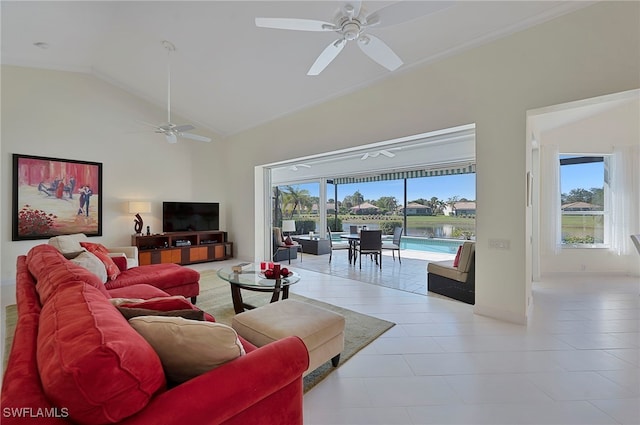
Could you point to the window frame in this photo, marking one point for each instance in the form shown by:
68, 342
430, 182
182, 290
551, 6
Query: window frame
605, 213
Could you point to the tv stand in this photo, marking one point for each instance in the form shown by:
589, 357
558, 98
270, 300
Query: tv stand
183, 247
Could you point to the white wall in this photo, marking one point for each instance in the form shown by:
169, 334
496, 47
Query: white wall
77, 116
588, 53
585, 54
597, 134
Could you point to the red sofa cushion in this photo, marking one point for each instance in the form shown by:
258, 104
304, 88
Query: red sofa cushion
102, 253
168, 277
52, 271
142, 291
121, 262
91, 361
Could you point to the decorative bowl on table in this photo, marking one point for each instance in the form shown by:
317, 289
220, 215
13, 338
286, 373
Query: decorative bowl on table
270, 274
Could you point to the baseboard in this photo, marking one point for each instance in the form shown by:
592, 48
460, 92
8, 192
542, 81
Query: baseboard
505, 316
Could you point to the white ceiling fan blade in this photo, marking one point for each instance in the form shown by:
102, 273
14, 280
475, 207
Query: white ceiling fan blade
327, 55
183, 128
295, 24
194, 137
404, 11
387, 153
377, 50
171, 137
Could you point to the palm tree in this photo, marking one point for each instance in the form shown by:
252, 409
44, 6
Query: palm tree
452, 202
296, 197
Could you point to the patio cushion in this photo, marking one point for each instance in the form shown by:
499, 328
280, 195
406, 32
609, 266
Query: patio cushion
446, 269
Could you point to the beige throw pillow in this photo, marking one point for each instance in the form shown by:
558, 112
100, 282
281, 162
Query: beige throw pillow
92, 263
188, 348
68, 243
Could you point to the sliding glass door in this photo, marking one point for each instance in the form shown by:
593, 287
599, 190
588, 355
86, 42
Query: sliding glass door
299, 202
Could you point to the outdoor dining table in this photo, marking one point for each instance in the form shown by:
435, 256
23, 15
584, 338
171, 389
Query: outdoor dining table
353, 239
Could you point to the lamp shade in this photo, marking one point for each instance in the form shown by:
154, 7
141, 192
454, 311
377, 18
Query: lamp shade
136, 207
288, 225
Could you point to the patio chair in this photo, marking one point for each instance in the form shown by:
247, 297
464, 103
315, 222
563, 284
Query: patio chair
335, 245
395, 245
371, 244
282, 251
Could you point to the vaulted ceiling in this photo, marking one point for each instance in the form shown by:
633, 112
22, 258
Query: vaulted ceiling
227, 75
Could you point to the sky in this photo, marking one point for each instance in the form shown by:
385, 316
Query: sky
582, 176
585, 176
443, 187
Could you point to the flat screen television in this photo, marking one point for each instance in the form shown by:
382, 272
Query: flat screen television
190, 216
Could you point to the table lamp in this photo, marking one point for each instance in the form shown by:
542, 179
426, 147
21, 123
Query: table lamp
289, 226
138, 207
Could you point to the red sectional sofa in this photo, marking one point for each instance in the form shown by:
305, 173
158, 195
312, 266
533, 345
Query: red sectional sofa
76, 359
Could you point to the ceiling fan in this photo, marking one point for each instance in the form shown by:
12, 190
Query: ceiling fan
378, 153
172, 131
352, 23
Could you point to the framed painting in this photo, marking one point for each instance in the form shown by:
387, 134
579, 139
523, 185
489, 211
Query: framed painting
53, 196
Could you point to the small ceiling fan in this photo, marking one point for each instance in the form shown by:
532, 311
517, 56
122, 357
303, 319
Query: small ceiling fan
353, 23
377, 154
170, 130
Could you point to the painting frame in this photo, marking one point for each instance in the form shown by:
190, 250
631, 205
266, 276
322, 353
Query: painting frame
55, 196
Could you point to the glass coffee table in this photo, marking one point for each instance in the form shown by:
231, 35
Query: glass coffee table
252, 279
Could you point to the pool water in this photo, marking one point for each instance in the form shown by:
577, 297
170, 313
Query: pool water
444, 246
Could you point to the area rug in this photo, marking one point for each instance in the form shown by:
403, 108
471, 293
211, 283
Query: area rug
360, 329
215, 298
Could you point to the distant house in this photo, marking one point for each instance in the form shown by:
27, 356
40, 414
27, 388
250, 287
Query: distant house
580, 206
365, 208
464, 208
413, 208
331, 208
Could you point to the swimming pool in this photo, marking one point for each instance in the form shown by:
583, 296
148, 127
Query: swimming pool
445, 246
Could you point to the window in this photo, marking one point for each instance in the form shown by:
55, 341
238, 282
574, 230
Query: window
585, 200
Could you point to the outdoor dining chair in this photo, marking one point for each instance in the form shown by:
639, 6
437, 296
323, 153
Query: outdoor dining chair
395, 245
335, 245
371, 244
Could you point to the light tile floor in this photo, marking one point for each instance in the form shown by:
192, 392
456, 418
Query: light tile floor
576, 362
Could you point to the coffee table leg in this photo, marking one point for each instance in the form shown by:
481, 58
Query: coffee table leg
276, 291
236, 296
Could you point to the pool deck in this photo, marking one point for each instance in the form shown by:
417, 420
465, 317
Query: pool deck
410, 276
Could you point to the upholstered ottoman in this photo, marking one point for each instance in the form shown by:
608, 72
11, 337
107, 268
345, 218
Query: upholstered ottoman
321, 330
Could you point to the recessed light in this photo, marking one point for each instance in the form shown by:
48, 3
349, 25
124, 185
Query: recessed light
41, 45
